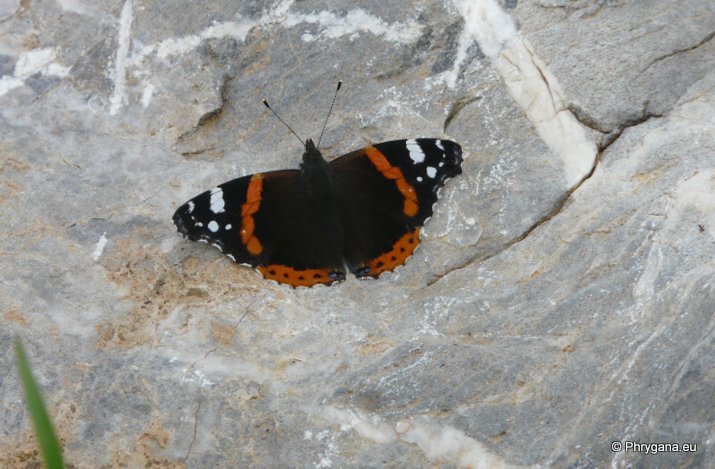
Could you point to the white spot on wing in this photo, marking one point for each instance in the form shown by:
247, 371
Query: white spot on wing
416, 153
431, 172
213, 226
191, 207
217, 203
438, 143
231, 257
419, 178
228, 227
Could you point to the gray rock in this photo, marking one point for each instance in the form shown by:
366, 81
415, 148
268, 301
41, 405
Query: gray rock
560, 300
8, 8
7, 65
621, 62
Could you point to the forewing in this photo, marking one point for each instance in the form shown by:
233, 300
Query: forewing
385, 193
264, 220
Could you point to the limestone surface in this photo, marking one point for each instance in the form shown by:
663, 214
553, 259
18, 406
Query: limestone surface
560, 303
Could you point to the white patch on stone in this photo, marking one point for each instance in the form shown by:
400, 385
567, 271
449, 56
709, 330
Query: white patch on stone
213, 226
39, 61
529, 82
371, 427
228, 227
416, 154
431, 172
147, 94
443, 443
356, 21
30, 63
217, 203
234, 29
487, 24
100, 247
692, 195
198, 376
191, 207
439, 443
179, 45
75, 6
119, 74
8, 83
546, 108
438, 144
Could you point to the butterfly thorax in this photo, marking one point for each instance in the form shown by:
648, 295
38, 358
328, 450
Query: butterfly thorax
318, 188
315, 173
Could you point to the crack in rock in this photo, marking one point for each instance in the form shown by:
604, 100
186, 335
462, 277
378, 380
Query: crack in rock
585, 118
207, 119
215, 114
199, 152
608, 140
612, 134
700, 43
456, 108
196, 426
560, 204
582, 8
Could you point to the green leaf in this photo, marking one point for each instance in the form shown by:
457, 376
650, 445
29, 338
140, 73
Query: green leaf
49, 446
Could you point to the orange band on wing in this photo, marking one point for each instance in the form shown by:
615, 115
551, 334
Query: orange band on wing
401, 250
381, 163
295, 277
251, 206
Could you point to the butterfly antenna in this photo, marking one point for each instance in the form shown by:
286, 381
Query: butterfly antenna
340, 83
284, 122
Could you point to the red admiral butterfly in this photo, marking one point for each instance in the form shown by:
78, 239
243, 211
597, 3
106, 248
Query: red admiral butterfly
360, 212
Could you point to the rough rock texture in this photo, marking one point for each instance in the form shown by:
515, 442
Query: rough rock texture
562, 297
621, 62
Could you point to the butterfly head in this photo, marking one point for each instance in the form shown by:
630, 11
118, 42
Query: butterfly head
312, 154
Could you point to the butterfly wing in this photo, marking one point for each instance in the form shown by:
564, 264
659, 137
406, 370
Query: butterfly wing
385, 193
265, 220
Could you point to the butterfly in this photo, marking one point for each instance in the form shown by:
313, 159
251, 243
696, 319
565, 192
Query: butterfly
360, 213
